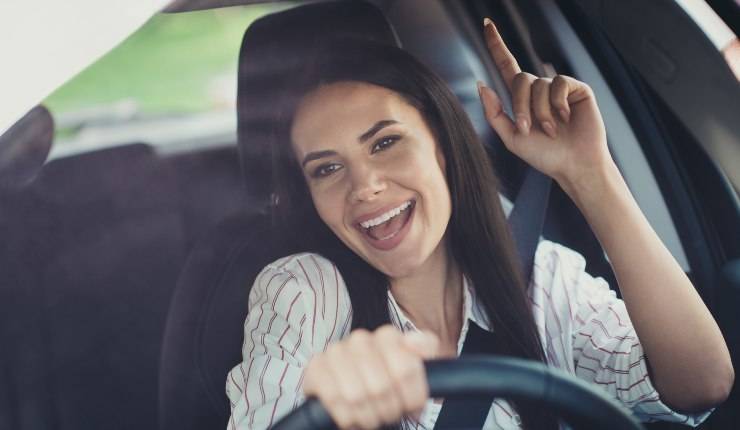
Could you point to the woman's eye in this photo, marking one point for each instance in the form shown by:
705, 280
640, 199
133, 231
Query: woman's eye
325, 170
384, 143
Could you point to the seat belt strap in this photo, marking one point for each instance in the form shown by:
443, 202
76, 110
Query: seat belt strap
469, 412
527, 219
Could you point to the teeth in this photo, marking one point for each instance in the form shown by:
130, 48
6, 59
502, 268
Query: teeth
386, 216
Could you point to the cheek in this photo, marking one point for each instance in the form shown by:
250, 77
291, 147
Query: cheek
329, 206
427, 170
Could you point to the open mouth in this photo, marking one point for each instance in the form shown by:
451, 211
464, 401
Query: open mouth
384, 228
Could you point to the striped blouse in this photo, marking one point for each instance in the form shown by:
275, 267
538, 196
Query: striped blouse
299, 305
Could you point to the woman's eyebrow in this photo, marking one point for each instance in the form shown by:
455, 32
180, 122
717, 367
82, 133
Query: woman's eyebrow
316, 155
311, 156
376, 128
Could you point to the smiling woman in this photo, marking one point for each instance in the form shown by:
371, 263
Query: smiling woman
379, 172
388, 133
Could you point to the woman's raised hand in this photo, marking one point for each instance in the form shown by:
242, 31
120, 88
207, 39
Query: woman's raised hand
557, 129
372, 378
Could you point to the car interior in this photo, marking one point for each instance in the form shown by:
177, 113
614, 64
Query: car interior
126, 269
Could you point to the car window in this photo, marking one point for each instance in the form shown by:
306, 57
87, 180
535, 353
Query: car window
172, 82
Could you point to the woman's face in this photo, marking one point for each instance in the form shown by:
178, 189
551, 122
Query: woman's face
375, 172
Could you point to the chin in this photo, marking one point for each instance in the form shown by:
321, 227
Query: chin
396, 266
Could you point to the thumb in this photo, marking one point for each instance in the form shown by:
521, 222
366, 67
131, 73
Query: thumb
425, 344
493, 109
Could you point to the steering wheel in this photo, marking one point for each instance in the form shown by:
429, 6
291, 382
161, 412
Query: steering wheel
577, 402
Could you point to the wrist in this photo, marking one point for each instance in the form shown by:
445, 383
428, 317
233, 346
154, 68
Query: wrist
590, 186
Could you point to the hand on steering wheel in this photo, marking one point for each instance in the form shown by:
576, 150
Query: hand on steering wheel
372, 378
576, 401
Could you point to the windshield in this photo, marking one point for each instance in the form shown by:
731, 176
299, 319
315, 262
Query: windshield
171, 84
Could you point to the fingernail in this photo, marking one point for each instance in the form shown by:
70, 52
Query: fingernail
487, 22
565, 115
549, 129
492, 104
523, 124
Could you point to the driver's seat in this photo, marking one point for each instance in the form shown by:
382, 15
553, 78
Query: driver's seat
204, 330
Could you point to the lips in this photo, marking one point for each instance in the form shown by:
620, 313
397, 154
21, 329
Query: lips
385, 229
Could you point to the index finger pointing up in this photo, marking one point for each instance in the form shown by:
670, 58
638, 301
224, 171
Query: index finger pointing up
503, 58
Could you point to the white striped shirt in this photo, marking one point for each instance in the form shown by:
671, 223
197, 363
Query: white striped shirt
299, 305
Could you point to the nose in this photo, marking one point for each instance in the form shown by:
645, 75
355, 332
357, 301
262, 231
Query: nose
367, 184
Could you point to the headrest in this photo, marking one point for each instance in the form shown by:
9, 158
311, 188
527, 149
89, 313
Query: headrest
274, 50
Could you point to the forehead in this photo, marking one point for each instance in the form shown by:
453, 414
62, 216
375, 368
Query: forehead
345, 110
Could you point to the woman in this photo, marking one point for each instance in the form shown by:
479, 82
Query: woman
378, 161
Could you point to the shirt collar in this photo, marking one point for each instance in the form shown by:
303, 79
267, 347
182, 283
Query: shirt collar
473, 310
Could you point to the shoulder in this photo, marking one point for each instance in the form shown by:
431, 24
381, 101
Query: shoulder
556, 266
560, 283
552, 257
314, 277
306, 268
560, 286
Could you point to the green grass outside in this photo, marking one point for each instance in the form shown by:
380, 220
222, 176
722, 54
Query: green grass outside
166, 66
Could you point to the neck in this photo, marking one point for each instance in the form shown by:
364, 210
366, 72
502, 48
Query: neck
432, 297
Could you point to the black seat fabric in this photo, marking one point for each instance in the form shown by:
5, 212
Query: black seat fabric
90, 254
205, 325
204, 331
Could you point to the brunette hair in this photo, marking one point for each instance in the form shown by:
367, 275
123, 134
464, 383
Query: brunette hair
479, 237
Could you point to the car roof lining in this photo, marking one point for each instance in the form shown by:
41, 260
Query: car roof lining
178, 6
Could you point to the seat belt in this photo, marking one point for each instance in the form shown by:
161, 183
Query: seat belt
469, 412
526, 221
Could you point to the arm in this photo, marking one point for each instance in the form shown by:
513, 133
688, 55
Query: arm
558, 130
277, 346
690, 363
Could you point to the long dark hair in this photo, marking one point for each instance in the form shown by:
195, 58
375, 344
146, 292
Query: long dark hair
479, 237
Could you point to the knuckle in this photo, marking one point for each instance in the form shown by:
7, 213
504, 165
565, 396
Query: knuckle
387, 332
559, 80
519, 79
376, 392
360, 333
504, 63
540, 84
359, 336
355, 398
408, 371
524, 78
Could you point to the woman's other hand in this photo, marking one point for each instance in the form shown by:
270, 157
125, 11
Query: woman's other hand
557, 126
374, 378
